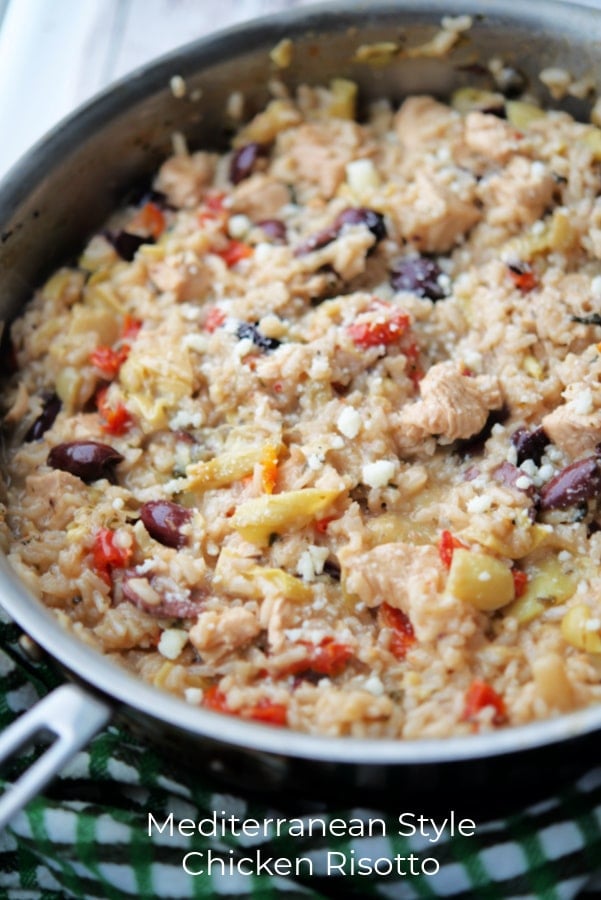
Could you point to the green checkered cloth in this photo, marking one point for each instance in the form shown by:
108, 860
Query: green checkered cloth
88, 836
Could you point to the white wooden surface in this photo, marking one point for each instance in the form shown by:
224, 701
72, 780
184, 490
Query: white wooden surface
55, 54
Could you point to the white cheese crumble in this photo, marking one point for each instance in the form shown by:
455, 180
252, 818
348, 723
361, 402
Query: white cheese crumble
582, 403
377, 474
349, 422
374, 685
315, 461
538, 169
479, 504
118, 503
238, 226
194, 695
172, 642
362, 175
523, 483
311, 562
185, 419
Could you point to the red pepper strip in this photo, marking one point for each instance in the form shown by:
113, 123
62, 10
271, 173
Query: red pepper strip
107, 555
234, 252
117, 420
215, 699
520, 581
266, 711
321, 525
149, 220
130, 328
215, 318
374, 333
263, 711
446, 544
402, 635
328, 657
479, 695
109, 361
523, 277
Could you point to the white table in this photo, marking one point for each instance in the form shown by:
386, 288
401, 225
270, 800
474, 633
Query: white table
55, 54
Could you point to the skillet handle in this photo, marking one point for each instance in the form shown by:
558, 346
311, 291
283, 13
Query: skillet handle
69, 713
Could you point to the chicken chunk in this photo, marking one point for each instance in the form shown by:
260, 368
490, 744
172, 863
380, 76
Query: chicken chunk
259, 197
519, 194
490, 136
421, 121
453, 405
407, 577
216, 634
575, 426
184, 179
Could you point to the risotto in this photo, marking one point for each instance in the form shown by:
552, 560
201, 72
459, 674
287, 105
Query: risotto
311, 434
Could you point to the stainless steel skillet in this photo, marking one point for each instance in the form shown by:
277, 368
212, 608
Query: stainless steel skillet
67, 185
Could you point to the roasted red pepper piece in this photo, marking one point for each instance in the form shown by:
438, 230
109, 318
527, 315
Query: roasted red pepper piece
446, 544
480, 695
266, 711
382, 330
109, 361
215, 318
107, 554
117, 420
402, 635
523, 277
328, 657
234, 252
520, 581
263, 711
149, 220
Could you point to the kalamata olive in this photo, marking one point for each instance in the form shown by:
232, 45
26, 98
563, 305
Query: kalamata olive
274, 229
127, 244
88, 460
45, 420
419, 275
352, 215
173, 601
362, 215
164, 520
578, 482
249, 330
529, 444
509, 475
244, 161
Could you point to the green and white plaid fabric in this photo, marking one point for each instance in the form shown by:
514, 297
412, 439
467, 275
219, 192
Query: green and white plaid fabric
88, 836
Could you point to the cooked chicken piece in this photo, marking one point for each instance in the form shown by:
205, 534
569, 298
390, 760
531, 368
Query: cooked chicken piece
453, 405
184, 179
408, 577
422, 120
490, 136
216, 634
259, 197
575, 426
519, 194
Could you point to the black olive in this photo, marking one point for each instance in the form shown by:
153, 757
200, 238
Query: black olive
244, 161
45, 420
529, 444
419, 275
163, 521
249, 330
576, 483
127, 244
88, 460
274, 229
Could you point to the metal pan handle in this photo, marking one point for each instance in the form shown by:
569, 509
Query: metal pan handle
73, 716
